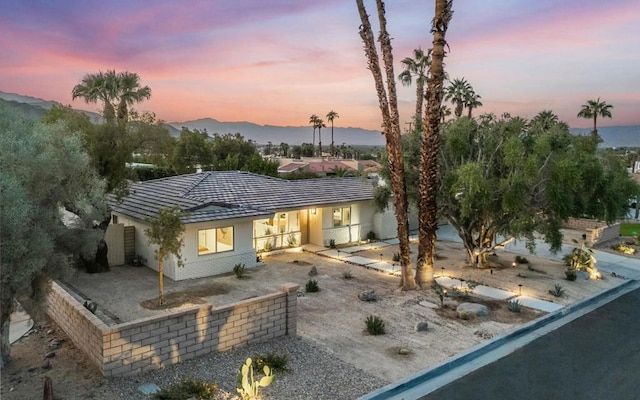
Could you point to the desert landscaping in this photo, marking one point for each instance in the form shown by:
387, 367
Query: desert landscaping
332, 319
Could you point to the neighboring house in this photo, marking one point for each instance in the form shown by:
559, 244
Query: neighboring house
233, 216
329, 167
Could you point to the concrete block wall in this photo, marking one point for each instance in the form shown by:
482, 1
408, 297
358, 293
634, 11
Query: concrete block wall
597, 231
155, 342
83, 328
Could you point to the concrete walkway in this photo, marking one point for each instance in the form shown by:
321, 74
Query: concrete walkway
20, 324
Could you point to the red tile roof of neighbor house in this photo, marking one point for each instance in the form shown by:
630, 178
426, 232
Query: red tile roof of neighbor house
328, 166
217, 195
292, 166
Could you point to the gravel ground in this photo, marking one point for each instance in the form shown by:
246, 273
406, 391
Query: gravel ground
314, 374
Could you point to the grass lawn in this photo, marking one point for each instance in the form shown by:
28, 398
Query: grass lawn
629, 229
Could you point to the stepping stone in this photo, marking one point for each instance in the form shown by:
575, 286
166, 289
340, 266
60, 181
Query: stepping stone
538, 304
148, 388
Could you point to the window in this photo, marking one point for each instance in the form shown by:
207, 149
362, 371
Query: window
215, 240
114, 219
341, 216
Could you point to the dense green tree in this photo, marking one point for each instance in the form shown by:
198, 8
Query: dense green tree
504, 178
284, 149
166, 234
331, 116
192, 149
258, 165
593, 109
43, 168
231, 151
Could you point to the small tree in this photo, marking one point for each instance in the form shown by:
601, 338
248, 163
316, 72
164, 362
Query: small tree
166, 232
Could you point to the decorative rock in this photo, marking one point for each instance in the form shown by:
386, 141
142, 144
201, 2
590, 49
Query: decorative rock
422, 326
148, 388
50, 354
46, 365
368, 295
428, 304
404, 352
583, 275
314, 271
472, 308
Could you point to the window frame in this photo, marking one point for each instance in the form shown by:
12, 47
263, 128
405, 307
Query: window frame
215, 240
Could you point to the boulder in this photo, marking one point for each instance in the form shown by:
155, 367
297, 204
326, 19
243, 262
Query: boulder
313, 271
368, 295
472, 309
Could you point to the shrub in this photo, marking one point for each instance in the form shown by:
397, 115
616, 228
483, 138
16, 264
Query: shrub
312, 286
522, 260
186, 389
332, 243
375, 325
396, 257
268, 246
623, 248
471, 285
347, 274
571, 274
292, 241
557, 290
248, 388
371, 236
464, 315
272, 360
239, 270
514, 306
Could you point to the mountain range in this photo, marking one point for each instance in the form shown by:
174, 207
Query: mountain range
612, 136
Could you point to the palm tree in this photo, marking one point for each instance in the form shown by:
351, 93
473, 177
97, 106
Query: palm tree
429, 184
331, 115
313, 121
320, 124
471, 101
593, 109
445, 111
129, 91
390, 127
544, 119
99, 87
417, 67
456, 92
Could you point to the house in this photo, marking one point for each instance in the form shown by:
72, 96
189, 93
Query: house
328, 167
231, 217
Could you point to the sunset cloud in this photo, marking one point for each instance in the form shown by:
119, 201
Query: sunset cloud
280, 61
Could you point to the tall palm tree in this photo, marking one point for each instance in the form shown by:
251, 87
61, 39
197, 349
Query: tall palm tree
129, 91
456, 92
320, 124
418, 68
101, 86
390, 127
313, 121
445, 111
429, 184
471, 101
593, 109
331, 115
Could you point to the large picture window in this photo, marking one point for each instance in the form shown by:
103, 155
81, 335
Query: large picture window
341, 216
215, 240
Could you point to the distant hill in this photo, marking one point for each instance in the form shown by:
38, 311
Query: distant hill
614, 136
293, 135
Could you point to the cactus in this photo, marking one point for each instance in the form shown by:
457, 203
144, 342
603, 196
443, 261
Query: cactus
249, 388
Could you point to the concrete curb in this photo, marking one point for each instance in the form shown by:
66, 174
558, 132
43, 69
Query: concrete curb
399, 387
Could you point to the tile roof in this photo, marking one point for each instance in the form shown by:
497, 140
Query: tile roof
217, 195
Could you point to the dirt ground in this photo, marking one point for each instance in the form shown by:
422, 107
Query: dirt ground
333, 317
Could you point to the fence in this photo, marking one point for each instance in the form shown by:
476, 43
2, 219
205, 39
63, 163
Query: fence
596, 231
155, 342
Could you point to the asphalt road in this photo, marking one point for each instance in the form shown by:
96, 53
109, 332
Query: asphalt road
596, 356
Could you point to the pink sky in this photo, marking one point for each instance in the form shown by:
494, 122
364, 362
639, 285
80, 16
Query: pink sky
277, 62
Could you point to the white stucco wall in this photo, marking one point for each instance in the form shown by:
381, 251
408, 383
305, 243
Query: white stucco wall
197, 266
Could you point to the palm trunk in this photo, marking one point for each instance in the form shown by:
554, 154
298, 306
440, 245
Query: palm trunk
429, 172
319, 143
419, 100
470, 111
313, 143
332, 153
391, 127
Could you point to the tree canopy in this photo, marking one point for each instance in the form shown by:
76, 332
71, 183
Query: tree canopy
504, 178
43, 169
